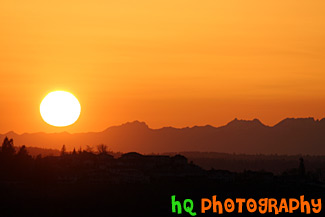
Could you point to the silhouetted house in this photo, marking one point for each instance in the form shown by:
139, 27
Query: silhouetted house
131, 156
88, 159
179, 160
67, 179
104, 160
221, 175
131, 159
257, 176
157, 161
129, 175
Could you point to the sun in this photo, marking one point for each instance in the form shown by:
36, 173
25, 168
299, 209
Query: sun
60, 108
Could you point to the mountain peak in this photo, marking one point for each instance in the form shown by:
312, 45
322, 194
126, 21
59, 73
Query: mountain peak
245, 123
11, 134
289, 122
135, 123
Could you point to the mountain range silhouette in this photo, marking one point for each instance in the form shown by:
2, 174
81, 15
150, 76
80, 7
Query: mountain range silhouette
289, 136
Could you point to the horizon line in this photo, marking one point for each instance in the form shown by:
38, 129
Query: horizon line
145, 123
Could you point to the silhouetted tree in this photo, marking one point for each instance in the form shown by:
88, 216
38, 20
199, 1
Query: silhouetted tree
80, 150
74, 151
23, 161
302, 170
102, 149
22, 152
63, 150
8, 148
89, 149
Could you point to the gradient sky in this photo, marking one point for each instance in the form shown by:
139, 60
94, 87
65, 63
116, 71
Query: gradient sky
168, 63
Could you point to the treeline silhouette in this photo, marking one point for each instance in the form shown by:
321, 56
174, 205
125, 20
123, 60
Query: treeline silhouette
88, 166
275, 163
95, 183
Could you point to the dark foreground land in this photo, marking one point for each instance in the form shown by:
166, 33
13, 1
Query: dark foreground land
134, 199
87, 184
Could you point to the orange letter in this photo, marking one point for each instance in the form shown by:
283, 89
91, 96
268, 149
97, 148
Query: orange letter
251, 205
203, 207
283, 205
229, 205
263, 202
304, 203
318, 205
272, 204
240, 204
215, 204
291, 207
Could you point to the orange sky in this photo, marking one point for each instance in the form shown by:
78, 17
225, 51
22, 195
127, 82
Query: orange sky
168, 63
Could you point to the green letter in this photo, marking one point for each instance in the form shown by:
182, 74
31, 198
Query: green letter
176, 203
189, 209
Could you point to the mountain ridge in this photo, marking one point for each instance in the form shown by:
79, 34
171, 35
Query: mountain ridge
289, 136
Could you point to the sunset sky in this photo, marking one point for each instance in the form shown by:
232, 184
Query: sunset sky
169, 63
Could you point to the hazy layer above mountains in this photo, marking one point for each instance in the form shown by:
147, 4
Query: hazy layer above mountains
290, 136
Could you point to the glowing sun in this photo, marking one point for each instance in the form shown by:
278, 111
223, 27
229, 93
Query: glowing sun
60, 108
